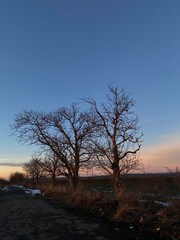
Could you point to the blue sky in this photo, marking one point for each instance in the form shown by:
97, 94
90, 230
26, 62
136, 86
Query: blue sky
54, 52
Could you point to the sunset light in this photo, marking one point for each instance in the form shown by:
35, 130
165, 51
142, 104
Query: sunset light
89, 119
54, 65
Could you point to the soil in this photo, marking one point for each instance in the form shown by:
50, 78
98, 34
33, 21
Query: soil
24, 217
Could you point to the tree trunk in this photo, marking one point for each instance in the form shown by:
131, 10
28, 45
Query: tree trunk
117, 180
117, 184
73, 181
37, 178
54, 178
33, 181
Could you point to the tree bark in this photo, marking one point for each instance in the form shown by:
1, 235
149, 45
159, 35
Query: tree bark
117, 180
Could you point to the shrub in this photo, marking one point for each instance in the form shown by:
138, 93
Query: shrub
3, 182
17, 178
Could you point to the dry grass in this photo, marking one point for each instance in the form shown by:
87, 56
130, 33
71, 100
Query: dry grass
127, 203
155, 206
78, 197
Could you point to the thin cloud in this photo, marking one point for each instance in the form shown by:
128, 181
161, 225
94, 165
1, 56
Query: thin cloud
12, 164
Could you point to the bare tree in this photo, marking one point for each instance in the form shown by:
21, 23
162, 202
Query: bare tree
34, 170
72, 130
65, 132
51, 165
118, 139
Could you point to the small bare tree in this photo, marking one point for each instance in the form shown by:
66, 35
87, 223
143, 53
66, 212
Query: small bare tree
51, 165
34, 170
117, 139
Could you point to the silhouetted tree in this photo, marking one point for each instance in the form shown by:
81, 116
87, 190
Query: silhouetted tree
117, 140
65, 132
17, 178
51, 165
34, 169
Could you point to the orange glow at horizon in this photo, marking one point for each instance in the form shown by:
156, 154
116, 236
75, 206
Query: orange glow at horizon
155, 158
5, 171
165, 154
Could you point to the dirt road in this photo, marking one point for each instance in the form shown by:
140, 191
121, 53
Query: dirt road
23, 217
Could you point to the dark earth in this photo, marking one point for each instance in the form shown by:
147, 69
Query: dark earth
24, 217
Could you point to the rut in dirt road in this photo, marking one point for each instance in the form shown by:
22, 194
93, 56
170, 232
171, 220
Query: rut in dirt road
23, 217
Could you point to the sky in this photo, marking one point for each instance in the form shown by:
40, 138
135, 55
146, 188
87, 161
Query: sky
54, 52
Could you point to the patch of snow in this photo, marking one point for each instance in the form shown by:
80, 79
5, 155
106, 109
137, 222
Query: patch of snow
101, 190
18, 186
32, 192
35, 192
5, 189
27, 190
21, 187
165, 204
